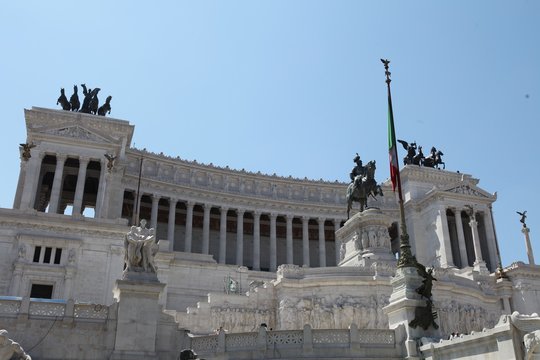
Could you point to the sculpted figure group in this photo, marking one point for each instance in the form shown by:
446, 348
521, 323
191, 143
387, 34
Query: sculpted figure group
90, 104
140, 245
434, 158
10, 349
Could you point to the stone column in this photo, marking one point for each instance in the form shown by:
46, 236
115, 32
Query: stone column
32, 169
68, 282
79, 189
189, 226
273, 242
223, 235
337, 225
491, 238
257, 240
461, 239
16, 279
525, 230
154, 212
171, 224
240, 237
479, 264
322, 243
446, 247
100, 197
57, 183
289, 239
305, 240
206, 229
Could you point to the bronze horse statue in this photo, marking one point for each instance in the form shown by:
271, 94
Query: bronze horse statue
362, 187
74, 100
435, 159
63, 101
105, 108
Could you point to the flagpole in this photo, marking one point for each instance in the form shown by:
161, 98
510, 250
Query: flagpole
406, 259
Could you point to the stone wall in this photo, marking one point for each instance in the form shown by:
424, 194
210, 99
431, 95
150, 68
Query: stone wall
55, 329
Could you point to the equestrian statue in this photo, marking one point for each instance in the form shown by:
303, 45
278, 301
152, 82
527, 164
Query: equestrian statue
362, 184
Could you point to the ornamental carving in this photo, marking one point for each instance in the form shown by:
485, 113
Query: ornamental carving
76, 132
466, 190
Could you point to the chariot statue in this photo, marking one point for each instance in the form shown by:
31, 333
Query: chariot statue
362, 184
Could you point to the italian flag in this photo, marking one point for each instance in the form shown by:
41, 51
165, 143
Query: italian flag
392, 150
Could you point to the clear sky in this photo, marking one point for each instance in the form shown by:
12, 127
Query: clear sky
295, 87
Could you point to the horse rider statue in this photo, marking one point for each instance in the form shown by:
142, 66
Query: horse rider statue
362, 184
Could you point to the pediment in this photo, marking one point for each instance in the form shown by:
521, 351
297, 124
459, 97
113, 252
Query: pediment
77, 132
467, 189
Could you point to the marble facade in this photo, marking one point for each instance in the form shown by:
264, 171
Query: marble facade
301, 267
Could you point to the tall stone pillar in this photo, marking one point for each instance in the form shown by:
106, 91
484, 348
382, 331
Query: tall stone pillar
289, 218
189, 226
491, 237
223, 235
31, 170
171, 224
79, 189
257, 240
337, 225
273, 242
57, 183
154, 212
102, 186
305, 240
240, 237
322, 243
206, 229
479, 263
461, 239
446, 259
525, 230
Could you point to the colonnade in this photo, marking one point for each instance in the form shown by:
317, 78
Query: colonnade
241, 217
50, 194
469, 237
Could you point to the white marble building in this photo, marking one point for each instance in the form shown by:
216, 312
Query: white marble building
284, 243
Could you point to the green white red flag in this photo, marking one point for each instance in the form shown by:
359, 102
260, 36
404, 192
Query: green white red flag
392, 149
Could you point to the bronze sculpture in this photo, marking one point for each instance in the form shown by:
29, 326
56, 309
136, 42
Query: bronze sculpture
362, 184
90, 104
523, 217
425, 316
434, 159
63, 101
110, 161
411, 152
26, 150
74, 100
105, 108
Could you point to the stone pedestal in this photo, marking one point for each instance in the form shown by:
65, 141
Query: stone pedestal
401, 310
138, 314
364, 239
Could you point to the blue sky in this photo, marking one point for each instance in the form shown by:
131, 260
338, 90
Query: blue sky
295, 87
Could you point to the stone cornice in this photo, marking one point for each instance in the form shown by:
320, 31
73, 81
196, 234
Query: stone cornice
433, 176
177, 161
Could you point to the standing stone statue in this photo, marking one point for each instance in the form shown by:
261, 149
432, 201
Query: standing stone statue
141, 247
